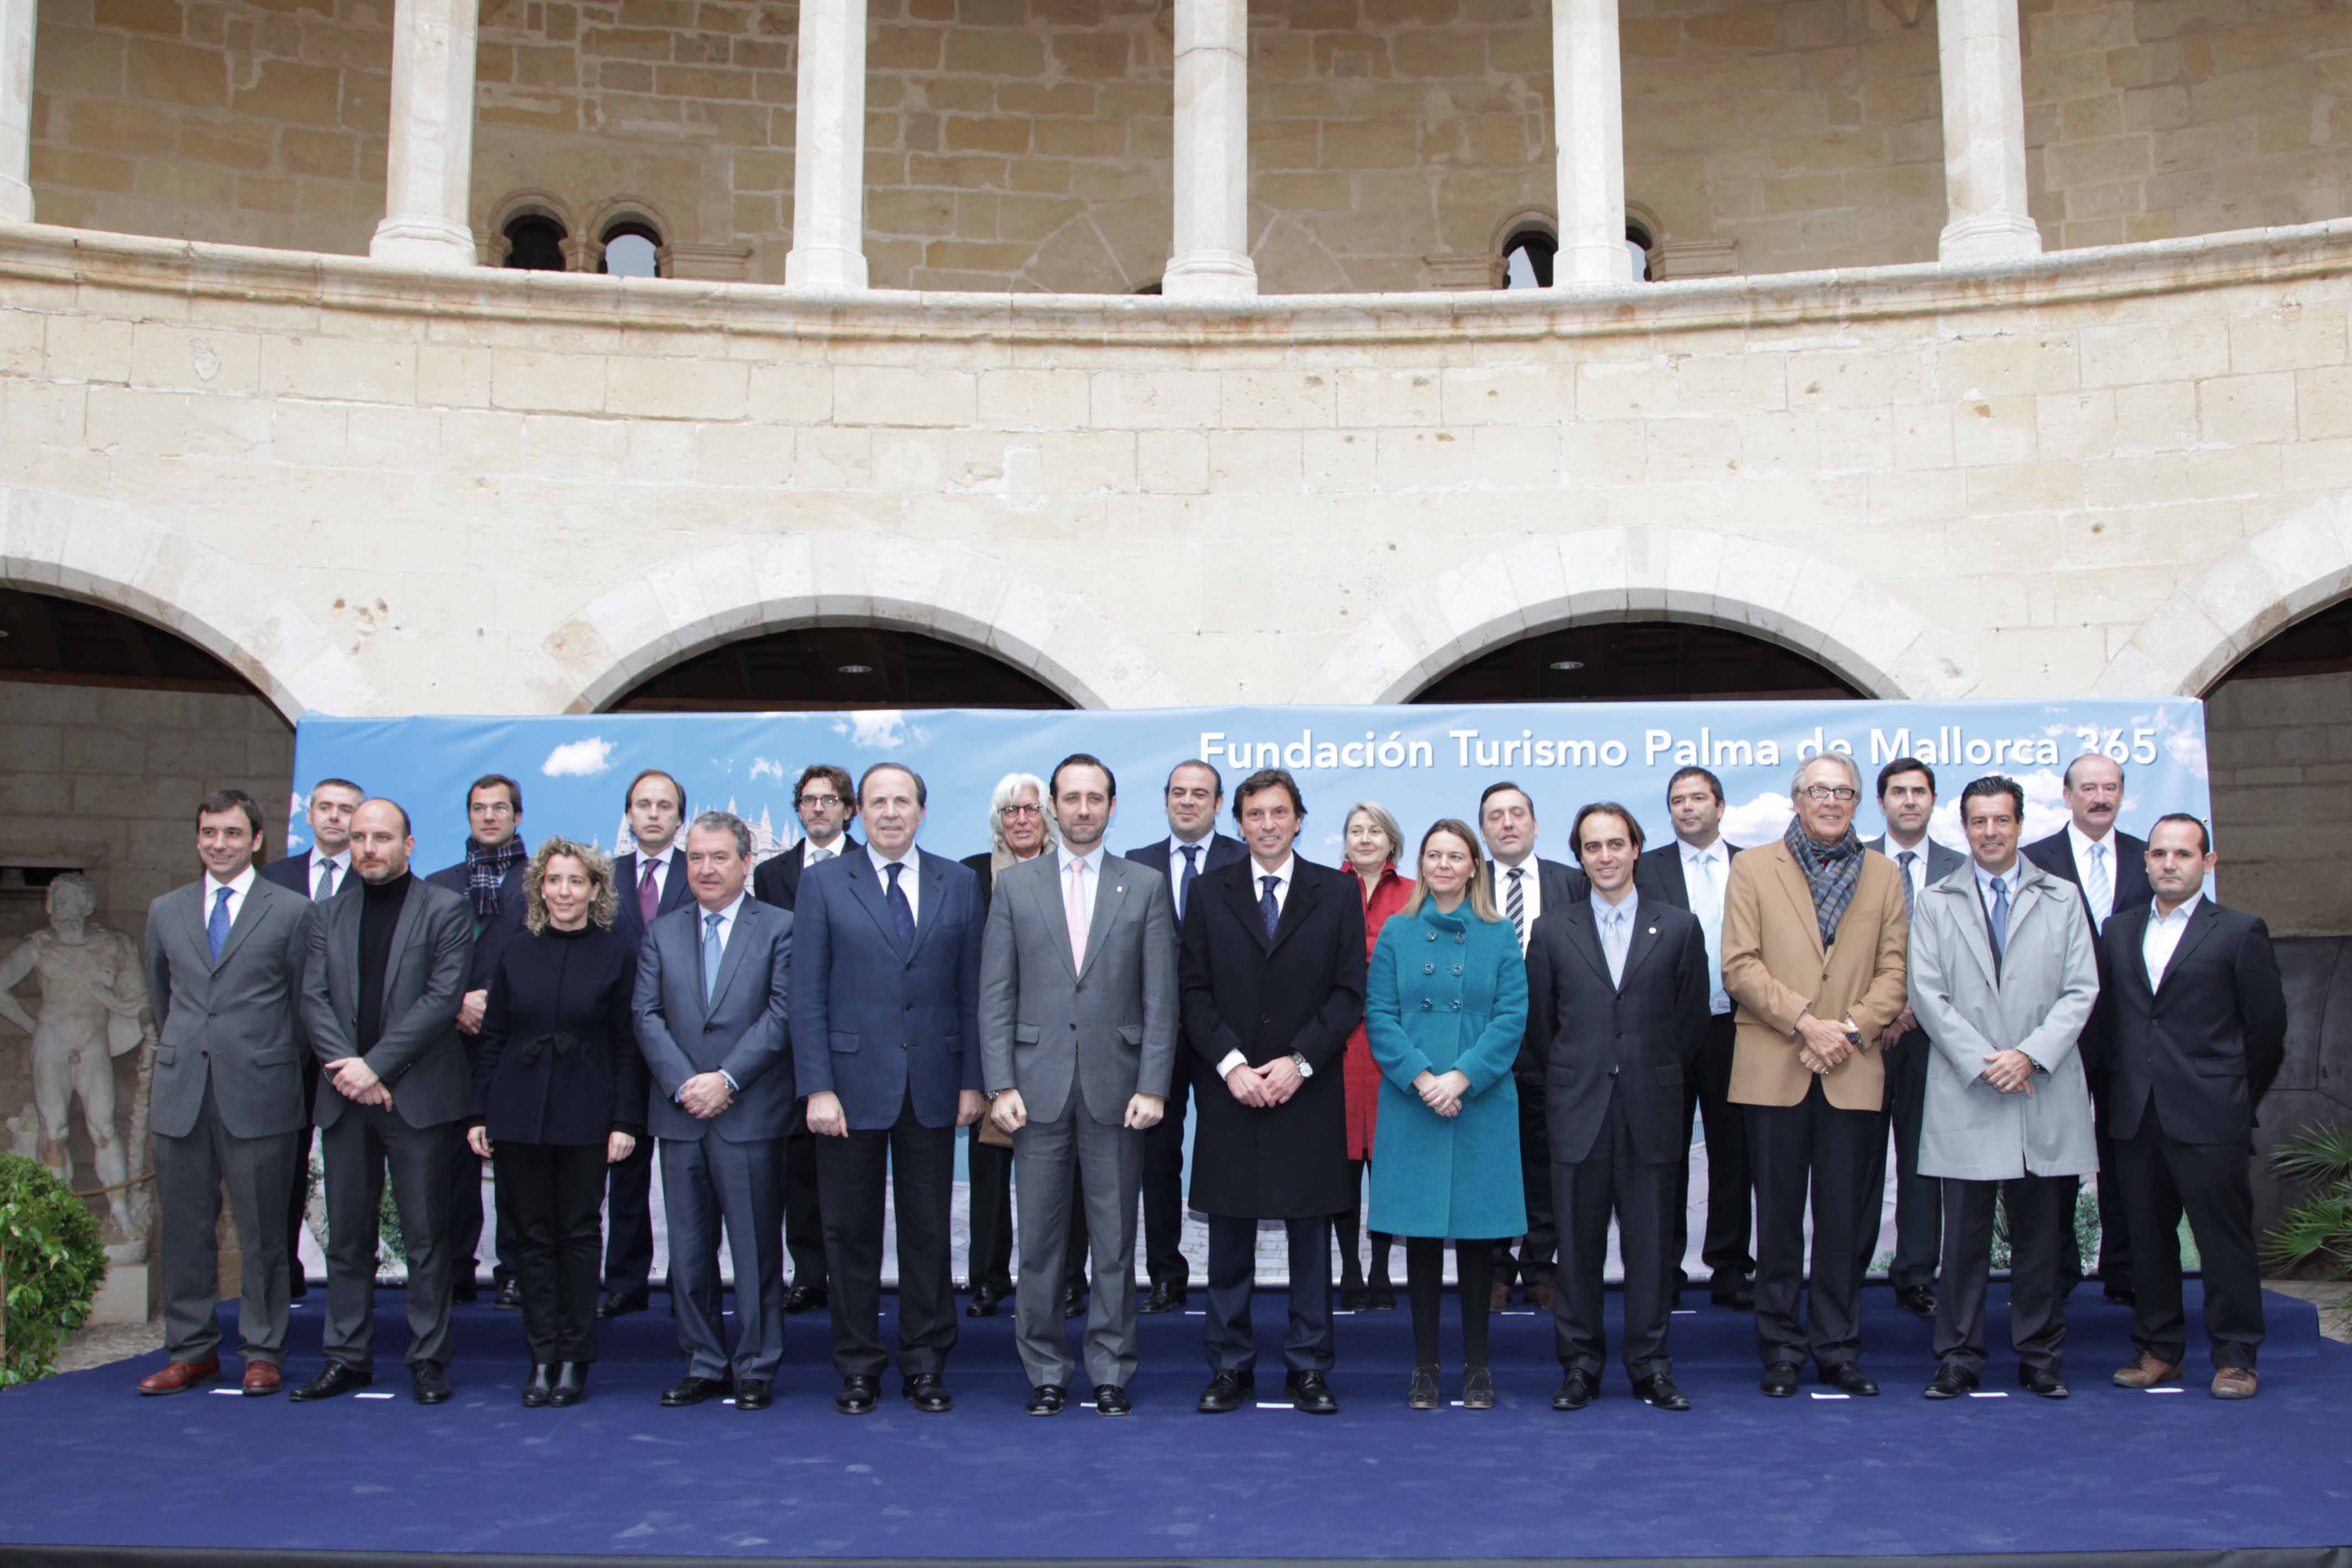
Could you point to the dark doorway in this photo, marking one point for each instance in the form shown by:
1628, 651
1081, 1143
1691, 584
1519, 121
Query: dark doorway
823, 668
1635, 660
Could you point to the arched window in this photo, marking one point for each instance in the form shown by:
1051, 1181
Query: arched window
631, 249
1639, 242
1527, 259
535, 243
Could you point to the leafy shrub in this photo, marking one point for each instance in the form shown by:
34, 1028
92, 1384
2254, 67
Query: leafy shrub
51, 1264
2316, 1235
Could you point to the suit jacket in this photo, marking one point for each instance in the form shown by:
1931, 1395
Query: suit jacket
1223, 849
877, 1023
742, 1030
1775, 967
2055, 854
1047, 1022
1636, 1038
1559, 886
491, 936
2034, 1000
676, 894
421, 1056
2202, 1047
1300, 990
237, 1021
293, 873
777, 879
1942, 862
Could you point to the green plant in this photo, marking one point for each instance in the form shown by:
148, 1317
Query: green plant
51, 1264
2317, 1233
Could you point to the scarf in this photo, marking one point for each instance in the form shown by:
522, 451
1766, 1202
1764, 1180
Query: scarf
485, 869
1830, 871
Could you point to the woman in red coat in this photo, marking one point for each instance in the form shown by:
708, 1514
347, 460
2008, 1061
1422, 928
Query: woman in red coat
1374, 844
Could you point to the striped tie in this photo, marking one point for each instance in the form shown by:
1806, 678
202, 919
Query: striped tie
2100, 890
1516, 902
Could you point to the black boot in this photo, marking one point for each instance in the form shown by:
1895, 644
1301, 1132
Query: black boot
571, 1383
540, 1390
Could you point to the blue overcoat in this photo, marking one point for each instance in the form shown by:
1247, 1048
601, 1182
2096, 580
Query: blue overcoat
1447, 991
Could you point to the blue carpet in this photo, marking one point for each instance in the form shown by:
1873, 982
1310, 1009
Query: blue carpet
2108, 1471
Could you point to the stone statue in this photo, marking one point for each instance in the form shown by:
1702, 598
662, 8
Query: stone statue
93, 1010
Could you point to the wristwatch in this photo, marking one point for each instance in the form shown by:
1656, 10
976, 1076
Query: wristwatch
1299, 1062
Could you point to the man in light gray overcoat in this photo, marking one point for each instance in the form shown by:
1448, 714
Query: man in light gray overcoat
1077, 1029
2003, 977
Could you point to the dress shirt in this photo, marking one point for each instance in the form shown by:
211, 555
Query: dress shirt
2164, 932
1705, 889
236, 892
341, 863
1093, 859
1530, 895
1917, 869
2081, 844
1259, 874
1616, 923
908, 878
811, 851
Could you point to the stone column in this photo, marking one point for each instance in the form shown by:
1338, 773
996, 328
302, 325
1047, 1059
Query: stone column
1212, 259
1590, 133
1984, 134
15, 110
430, 173
829, 149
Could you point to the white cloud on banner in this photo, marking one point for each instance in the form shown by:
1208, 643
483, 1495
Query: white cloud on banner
769, 767
882, 729
1758, 821
578, 759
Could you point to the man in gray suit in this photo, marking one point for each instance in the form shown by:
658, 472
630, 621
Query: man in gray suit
1077, 1030
389, 960
711, 993
224, 962
2002, 978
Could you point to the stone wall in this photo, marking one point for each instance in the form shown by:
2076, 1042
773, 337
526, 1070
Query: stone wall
2282, 771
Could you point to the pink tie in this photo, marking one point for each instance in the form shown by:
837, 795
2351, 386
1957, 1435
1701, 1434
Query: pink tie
648, 895
1074, 905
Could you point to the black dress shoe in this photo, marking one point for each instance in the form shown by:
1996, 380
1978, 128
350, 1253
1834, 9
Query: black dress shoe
298, 1287
1737, 1296
1659, 1392
1047, 1399
621, 1306
539, 1387
692, 1390
1310, 1394
509, 1297
333, 1378
1228, 1392
2121, 1295
1574, 1393
983, 1302
1383, 1297
570, 1384
465, 1291
1074, 1303
1951, 1381
2042, 1381
1354, 1299
858, 1395
927, 1394
1164, 1297
754, 1394
1781, 1380
805, 1299
428, 1383
1920, 1300
1111, 1399
1848, 1378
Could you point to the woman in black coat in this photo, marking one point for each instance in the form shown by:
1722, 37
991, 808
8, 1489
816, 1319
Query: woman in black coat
558, 1093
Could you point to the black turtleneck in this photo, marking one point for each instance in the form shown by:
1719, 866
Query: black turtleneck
380, 907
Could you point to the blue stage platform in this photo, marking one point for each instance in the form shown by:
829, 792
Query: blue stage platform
94, 1475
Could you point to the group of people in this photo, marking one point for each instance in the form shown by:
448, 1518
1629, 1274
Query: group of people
1514, 1049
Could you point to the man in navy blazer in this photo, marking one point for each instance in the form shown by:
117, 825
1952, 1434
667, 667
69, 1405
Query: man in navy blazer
1194, 795
712, 1021
886, 1038
650, 881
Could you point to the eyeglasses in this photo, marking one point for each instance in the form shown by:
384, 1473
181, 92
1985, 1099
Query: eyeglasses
823, 802
1841, 793
1024, 810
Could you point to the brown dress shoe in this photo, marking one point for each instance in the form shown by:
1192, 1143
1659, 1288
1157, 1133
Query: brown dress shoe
1541, 1297
2234, 1383
2147, 1372
179, 1376
1502, 1298
261, 1379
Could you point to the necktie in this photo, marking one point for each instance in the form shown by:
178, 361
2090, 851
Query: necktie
1192, 875
1904, 860
326, 881
902, 913
1517, 905
2100, 890
1268, 907
1999, 921
216, 928
711, 952
1613, 931
1710, 910
648, 895
1073, 905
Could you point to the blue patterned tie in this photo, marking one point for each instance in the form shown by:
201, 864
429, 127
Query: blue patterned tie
902, 913
1269, 907
711, 954
1192, 875
216, 928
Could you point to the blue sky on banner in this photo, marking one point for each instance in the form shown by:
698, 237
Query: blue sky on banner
1421, 763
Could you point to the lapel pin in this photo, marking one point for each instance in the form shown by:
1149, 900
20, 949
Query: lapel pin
1654, 931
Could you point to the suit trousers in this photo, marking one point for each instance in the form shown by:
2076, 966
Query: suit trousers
629, 1222
1811, 1147
1051, 1156
1706, 1093
297, 1191
1532, 1258
709, 1184
918, 1165
554, 1193
190, 1172
1163, 1185
1613, 1178
1232, 1278
466, 1223
2114, 1227
1918, 1201
362, 1146
2162, 1178
2040, 1222
803, 1216
989, 1256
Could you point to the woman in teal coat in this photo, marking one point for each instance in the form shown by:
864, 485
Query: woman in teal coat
1445, 1007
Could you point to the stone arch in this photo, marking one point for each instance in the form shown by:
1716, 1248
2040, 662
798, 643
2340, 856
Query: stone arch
691, 604
1871, 639
2221, 611
109, 555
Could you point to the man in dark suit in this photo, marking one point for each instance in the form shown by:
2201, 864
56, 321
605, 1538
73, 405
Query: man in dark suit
826, 802
1619, 986
1691, 874
2199, 1032
1524, 887
318, 875
1273, 981
490, 880
224, 964
1907, 798
389, 960
650, 881
1194, 795
710, 1010
886, 998
2109, 868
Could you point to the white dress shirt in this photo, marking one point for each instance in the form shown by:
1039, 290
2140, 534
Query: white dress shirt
2164, 934
341, 863
236, 892
1703, 886
2100, 908
1530, 895
811, 851
1259, 874
908, 878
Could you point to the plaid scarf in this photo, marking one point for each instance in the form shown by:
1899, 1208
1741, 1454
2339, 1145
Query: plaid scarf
486, 868
1830, 871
